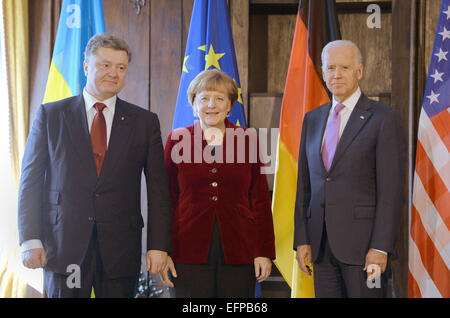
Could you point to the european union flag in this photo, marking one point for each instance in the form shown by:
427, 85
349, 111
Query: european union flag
209, 45
78, 22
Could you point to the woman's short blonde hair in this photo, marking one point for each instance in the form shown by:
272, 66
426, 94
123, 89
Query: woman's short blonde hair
213, 80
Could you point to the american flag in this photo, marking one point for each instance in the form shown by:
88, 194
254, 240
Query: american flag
429, 241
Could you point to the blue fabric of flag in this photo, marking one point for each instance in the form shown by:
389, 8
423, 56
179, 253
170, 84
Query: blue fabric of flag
79, 21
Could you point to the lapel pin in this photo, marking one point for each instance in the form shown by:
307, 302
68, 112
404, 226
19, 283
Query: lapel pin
122, 118
362, 117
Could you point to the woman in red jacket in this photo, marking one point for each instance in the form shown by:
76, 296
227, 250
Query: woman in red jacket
222, 228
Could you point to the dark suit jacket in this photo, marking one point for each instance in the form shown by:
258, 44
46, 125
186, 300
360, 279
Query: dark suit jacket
60, 195
234, 194
360, 199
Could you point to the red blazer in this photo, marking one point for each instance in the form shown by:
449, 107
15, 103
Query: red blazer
235, 194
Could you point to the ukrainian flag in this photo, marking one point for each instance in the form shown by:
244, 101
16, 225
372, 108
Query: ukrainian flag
79, 21
209, 45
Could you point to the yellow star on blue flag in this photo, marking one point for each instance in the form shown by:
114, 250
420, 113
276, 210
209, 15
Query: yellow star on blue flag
212, 59
184, 64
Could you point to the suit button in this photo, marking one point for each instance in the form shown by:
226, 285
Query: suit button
328, 179
91, 218
214, 184
213, 170
214, 198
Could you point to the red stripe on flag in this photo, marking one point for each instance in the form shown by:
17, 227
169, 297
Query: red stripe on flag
413, 287
433, 183
441, 124
431, 259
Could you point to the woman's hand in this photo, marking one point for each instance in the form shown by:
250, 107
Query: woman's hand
164, 273
263, 267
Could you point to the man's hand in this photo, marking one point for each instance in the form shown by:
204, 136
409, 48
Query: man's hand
376, 258
156, 261
164, 273
263, 267
304, 258
34, 258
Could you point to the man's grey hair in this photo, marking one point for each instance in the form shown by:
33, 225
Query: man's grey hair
342, 43
108, 41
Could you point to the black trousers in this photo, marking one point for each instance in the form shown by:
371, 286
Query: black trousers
334, 279
215, 279
91, 276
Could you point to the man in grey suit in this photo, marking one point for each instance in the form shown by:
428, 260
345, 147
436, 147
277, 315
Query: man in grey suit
80, 188
351, 180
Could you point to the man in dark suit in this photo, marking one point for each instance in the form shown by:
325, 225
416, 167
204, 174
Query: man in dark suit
80, 188
350, 189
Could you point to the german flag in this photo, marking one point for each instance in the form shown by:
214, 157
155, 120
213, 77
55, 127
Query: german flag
316, 25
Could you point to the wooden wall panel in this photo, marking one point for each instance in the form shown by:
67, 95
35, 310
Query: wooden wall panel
121, 20
258, 59
265, 110
186, 21
402, 101
376, 47
280, 34
165, 59
239, 18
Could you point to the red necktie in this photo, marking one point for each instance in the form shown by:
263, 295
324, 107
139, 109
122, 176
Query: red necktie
331, 137
98, 137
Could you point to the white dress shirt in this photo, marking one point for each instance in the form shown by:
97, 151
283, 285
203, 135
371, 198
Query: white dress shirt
345, 113
108, 113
